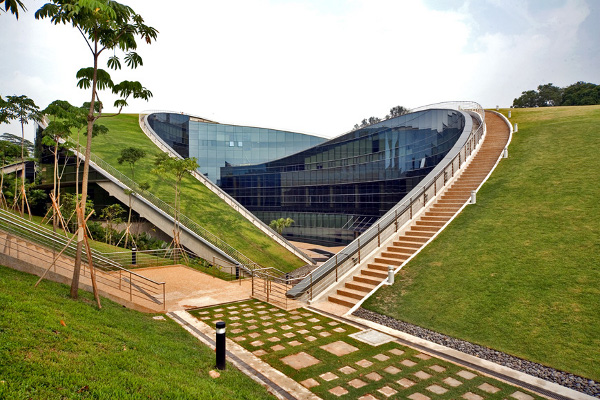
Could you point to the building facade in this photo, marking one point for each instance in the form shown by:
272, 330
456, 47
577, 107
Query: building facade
333, 189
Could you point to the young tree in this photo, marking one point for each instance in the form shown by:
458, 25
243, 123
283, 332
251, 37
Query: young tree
280, 224
177, 168
23, 109
104, 25
8, 152
131, 155
112, 215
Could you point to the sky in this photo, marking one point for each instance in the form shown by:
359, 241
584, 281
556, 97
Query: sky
316, 66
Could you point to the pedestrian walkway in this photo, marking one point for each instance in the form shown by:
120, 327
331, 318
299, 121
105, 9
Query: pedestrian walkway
330, 359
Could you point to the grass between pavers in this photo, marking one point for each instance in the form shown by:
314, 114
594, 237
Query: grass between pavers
114, 353
259, 327
520, 270
197, 201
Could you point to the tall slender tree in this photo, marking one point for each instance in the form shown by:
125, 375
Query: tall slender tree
104, 25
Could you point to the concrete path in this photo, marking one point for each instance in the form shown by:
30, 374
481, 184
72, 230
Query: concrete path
188, 288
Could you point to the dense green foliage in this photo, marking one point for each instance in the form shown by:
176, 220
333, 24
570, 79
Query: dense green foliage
197, 201
520, 270
577, 94
52, 347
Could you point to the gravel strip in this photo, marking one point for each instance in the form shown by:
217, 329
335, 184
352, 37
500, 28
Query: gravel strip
566, 379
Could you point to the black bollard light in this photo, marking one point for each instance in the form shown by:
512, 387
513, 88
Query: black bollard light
220, 350
133, 255
237, 272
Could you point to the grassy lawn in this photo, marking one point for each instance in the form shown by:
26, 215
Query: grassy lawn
198, 202
520, 270
114, 353
274, 334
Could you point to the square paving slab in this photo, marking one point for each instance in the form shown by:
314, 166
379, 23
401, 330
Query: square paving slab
339, 348
374, 338
300, 360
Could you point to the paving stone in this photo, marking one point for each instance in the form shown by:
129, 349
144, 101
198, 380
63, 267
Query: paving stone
251, 327
234, 312
218, 309
294, 312
267, 323
324, 334
289, 334
338, 391
347, 370
286, 327
246, 309
259, 352
392, 370
277, 347
437, 368
295, 317
262, 312
299, 360
422, 375
408, 363
254, 335
357, 383
257, 343
231, 307
249, 315
423, 356
367, 397
466, 374
203, 312
418, 396
295, 343
364, 363
333, 323
239, 338
234, 318
314, 320
471, 396
381, 357
317, 327
273, 339
521, 396
387, 391
374, 376
437, 389
299, 323
303, 331
279, 314
251, 321
310, 338
270, 331
405, 382
204, 318
217, 315
486, 387
235, 324
339, 348
307, 314
282, 320
261, 306
339, 330
237, 330
265, 317
328, 376
310, 382
452, 382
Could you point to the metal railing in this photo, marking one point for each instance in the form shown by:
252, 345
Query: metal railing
269, 285
230, 201
38, 246
334, 268
184, 221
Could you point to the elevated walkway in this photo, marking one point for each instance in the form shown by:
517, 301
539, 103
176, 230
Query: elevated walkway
423, 229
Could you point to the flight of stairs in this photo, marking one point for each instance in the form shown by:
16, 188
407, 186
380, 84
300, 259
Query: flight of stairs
431, 221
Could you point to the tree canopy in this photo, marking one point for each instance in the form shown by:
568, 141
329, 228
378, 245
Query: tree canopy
548, 95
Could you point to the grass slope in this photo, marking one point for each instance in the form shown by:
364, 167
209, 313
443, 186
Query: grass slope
198, 202
114, 353
520, 270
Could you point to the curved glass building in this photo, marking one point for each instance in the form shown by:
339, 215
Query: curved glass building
333, 189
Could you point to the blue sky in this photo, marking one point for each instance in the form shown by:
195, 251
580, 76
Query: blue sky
319, 66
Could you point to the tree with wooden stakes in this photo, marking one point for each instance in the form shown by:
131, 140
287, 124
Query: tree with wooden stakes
176, 168
23, 109
130, 155
109, 26
8, 152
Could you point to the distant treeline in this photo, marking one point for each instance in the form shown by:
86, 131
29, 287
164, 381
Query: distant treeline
577, 94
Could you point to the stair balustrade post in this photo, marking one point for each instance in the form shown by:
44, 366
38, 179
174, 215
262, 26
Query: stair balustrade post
359, 250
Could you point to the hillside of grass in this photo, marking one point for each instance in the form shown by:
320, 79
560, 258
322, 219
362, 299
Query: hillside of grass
197, 201
114, 353
520, 270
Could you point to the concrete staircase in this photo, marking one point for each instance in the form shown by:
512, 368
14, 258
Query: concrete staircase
431, 221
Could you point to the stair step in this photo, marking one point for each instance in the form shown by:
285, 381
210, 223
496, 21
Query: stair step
425, 228
429, 223
361, 287
342, 300
422, 234
369, 280
416, 239
403, 243
403, 250
377, 274
353, 294
387, 261
393, 254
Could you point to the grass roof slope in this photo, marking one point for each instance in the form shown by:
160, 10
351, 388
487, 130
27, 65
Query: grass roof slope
520, 270
197, 201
